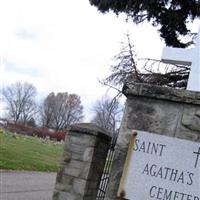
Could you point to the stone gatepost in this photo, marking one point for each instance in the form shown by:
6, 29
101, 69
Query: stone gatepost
85, 151
161, 110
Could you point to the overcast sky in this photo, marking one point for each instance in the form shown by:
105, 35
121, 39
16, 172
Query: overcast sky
66, 46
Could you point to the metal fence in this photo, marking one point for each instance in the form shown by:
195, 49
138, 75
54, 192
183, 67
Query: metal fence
106, 172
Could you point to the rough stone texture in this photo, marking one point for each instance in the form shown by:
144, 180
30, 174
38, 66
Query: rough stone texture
85, 151
161, 110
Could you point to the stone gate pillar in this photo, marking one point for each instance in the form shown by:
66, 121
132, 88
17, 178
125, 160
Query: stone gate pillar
161, 110
85, 151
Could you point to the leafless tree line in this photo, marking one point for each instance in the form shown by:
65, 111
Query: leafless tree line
56, 111
61, 110
20, 101
108, 114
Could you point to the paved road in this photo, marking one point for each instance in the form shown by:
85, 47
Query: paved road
20, 185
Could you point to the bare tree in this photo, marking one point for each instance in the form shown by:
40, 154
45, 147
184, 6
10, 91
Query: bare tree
46, 110
61, 110
128, 68
20, 100
108, 113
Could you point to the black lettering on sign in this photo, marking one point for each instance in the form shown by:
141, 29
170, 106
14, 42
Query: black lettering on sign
190, 178
160, 172
153, 170
197, 158
149, 147
167, 170
167, 195
160, 193
182, 195
196, 198
173, 175
146, 169
176, 195
181, 178
152, 191
135, 148
167, 173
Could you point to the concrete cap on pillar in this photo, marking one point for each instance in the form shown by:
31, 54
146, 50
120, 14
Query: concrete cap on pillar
90, 129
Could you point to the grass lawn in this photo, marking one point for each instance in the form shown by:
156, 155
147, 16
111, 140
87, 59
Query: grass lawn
19, 152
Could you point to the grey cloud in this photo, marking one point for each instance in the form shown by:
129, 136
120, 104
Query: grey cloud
13, 67
25, 34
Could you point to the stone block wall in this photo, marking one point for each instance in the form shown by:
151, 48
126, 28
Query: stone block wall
161, 110
85, 151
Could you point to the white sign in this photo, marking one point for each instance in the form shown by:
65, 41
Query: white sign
186, 57
163, 168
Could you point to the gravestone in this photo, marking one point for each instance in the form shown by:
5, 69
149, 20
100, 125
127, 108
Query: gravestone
186, 57
168, 125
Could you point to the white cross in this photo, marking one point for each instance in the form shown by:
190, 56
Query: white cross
186, 57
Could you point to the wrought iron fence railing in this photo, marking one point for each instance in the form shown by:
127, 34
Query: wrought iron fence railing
106, 173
